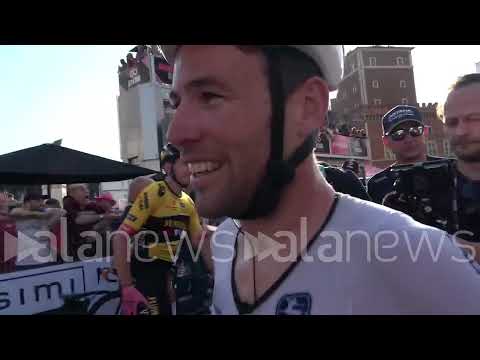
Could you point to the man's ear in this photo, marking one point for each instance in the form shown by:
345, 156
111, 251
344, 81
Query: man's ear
306, 109
316, 98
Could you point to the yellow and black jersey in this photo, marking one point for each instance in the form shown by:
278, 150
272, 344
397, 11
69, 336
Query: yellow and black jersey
159, 218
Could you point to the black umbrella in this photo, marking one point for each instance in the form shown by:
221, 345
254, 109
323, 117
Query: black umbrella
53, 164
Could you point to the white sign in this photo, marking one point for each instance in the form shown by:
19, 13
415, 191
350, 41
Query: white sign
39, 290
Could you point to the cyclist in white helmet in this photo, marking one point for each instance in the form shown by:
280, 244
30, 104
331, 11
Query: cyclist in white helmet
246, 120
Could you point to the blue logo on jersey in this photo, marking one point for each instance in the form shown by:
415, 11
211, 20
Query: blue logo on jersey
294, 304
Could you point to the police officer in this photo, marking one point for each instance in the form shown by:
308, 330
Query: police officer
404, 135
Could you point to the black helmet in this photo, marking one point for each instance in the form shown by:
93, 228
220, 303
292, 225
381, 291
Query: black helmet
169, 154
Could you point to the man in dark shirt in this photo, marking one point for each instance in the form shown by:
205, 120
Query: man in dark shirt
81, 217
403, 131
344, 181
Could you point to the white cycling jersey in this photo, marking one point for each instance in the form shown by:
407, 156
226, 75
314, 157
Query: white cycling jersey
367, 259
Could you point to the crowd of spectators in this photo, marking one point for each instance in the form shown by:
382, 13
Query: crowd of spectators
38, 232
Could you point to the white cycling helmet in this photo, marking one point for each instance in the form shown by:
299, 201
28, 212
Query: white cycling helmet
280, 172
329, 58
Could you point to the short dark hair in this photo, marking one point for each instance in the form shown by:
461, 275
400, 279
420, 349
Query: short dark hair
465, 80
351, 165
295, 66
52, 202
32, 196
169, 155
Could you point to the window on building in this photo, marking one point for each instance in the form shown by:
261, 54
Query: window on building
357, 106
354, 89
375, 84
377, 101
400, 61
403, 83
353, 66
431, 148
372, 61
404, 101
389, 155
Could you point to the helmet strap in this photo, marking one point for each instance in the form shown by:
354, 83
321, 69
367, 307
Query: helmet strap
279, 172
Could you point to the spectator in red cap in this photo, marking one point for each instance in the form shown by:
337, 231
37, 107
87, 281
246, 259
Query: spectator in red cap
104, 205
105, 201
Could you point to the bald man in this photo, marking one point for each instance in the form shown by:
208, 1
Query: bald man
81, 217
136, 187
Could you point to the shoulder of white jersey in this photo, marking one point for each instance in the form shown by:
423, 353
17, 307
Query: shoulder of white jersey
382, 222
402, 223
227, 225
370, 211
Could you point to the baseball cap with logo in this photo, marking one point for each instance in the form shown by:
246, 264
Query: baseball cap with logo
399, 115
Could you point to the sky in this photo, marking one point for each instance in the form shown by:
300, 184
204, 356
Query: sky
60, 92
69, 92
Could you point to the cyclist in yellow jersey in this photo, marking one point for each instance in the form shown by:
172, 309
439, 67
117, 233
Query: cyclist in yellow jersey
157, 221
160, 211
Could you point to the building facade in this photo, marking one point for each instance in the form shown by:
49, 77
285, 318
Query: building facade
375, 80
375, 76
143, 107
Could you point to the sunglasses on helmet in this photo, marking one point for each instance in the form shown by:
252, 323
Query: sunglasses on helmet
401, 134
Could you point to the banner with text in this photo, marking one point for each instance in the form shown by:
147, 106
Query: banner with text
331, 144
41, 290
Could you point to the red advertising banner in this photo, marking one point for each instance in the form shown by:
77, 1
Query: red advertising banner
332, 143
163, 71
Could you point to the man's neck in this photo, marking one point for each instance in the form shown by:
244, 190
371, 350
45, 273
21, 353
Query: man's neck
421, 158
174, 186
309, 196
470, 170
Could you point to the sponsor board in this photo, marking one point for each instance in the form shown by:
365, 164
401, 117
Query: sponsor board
41, 290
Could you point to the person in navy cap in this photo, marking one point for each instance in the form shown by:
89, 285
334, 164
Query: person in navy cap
403, 134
